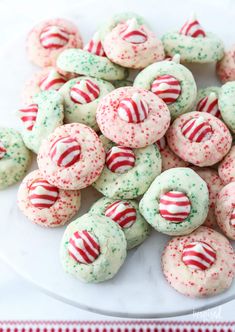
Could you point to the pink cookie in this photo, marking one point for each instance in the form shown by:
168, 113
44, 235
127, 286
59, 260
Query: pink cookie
214, 184
49, 38
199, 264
45, 204
227, 167
199, 138
132, 45
226, 67
169, 158
72, 157
225, 210
132, 117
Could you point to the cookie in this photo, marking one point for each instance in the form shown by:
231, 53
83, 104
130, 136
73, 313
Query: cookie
199, 138
176, 203
169, 158
170, 81
225, 210
81, 97
45, 204
93, 248
132, 45
227, 104
122, 83
15, 158
40, 118
132, 117
226, 168
193, 43
214, 185
200, 264
126, 214
49, 38
127, 172
207, 101
225, 68
72, 157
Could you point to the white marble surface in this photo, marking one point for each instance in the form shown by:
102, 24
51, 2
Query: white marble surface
33, 251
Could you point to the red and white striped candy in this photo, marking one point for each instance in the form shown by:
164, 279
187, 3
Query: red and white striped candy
2, 150
84, 247
42, 194
28, 115
84, 92
53, 81
161, 144
232, 218
197, 130
65, 151
121, 212
95, 46
174, 206
134, 109
132, 32
192, 28
120, 159
209, 104
166, 87
198, 255
54, 37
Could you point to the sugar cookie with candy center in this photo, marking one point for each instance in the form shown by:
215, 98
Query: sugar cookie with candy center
15, 158
208, 101
176, 202
199, 138
226, 167
193, 43
199, 264
49, 38
126, 214
72, 157
127, 172
44, 204
132, 117
225, 68
93, 248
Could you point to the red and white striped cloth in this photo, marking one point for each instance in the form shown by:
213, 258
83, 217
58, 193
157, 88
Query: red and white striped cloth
65, 151
84, 247
198, 255
42, 194
166, 87
120, 159
174, 206
192, 28
84, 92
2, 150
122, 213
54, 36
209, 104
53, 80
132, 33
28, 115
133, 109
95, 46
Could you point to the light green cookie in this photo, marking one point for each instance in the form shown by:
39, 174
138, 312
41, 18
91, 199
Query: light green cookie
81, 62
137, 232
83, 113
112, 244
15, 158
186, 99
135, 181
227, 104
202, 93
183, 180
50, 115
200, 50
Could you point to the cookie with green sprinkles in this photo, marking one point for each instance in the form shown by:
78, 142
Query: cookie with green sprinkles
82, 62
81, 96
41, 118
15, 158
207, 101
170, 81
127, 172
176, 202
227, 104
93, 248
126, 214
193, 43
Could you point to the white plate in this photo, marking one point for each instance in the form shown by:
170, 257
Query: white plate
139, 289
